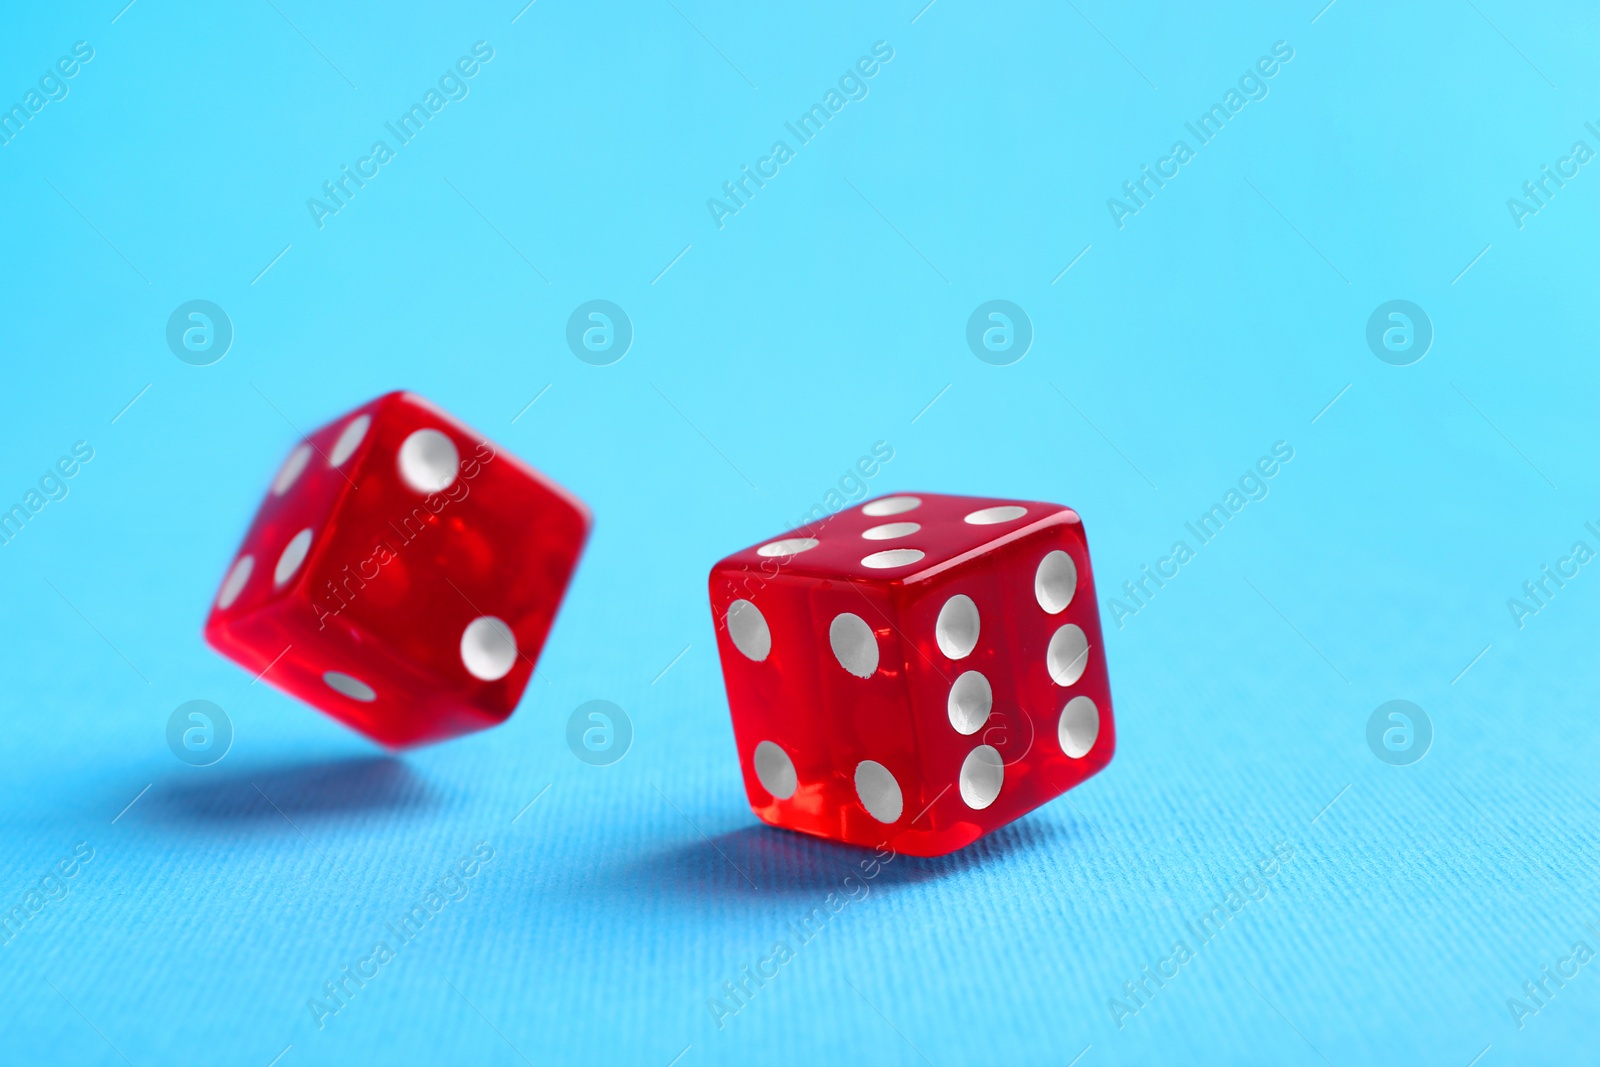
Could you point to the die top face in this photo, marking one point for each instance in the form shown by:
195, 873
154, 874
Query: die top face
407, 569
906, 537
922, 710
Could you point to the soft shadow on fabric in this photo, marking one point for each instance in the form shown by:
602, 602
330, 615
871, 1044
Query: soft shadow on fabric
292, 793
757, 863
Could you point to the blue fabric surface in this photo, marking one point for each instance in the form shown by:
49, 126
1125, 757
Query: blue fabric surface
1371, 912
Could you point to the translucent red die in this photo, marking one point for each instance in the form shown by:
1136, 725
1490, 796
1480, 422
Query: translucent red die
915, 671
402, 574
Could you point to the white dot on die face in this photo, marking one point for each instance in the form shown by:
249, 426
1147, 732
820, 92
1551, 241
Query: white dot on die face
957, 628
970, 701
294, 554
289, 473
891, 505
234, 583
982, 774
1080, 725
349, 440
1055, 581
890, 530
893, 557
990, 516
354, 688
1067, 655
855, 646
789, 546
775, 771
878, 791
428, 461
488, 648
748, 628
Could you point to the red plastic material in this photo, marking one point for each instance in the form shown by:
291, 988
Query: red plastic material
833, 663
433, 564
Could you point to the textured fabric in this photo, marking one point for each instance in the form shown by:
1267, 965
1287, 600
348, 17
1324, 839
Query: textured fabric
1370, 913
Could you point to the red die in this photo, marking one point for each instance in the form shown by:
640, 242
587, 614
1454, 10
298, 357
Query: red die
402, 574
915, 671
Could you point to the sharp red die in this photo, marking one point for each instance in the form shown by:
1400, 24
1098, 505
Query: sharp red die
915, 671
402, 574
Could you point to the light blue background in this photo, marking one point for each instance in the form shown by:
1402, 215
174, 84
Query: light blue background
824, 317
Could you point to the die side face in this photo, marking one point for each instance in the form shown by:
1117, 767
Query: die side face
1010, 683
433, 569
816, 675
961, 719
301, 498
